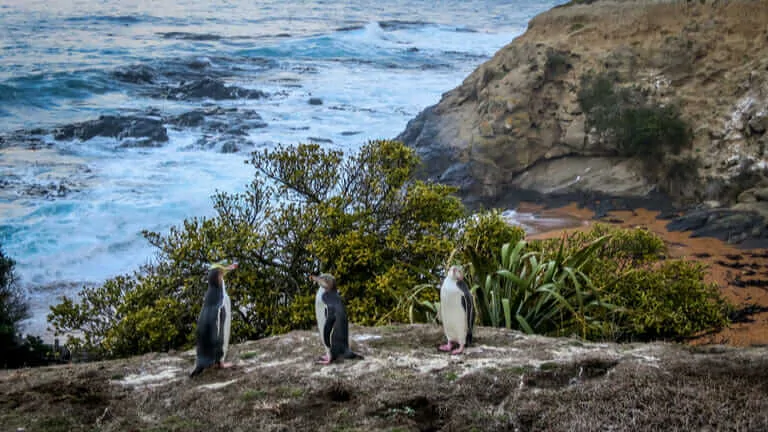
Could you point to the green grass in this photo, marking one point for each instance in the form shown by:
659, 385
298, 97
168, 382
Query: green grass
248, 355
250, 395
291, 392
548, 366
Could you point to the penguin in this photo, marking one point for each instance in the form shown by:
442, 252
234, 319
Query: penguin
457, 311
332, 321
214, 321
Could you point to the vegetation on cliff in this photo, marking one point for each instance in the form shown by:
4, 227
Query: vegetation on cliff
13, 306
625, 119
16, 351
387, 238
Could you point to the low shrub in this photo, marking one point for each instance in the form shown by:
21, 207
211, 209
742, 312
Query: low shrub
17, 351
13, 305
606, 283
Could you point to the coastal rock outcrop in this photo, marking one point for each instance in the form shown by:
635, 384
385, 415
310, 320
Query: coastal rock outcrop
129, 130
210, 88
516, 123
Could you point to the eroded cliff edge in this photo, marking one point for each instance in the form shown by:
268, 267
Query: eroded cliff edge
516, 124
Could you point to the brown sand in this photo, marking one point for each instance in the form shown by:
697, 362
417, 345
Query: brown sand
740, 273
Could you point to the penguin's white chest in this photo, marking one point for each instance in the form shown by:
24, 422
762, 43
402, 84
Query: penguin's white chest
227, 305
452, 313
320, 312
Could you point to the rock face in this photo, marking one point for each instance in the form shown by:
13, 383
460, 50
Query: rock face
210, 88
515, 122
505, 381
130, 130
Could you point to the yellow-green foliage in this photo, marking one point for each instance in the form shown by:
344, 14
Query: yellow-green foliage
362, 218
668, 300
654, 298
485, 234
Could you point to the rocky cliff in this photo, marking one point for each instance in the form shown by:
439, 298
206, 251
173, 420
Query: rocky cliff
506, 381
516, 123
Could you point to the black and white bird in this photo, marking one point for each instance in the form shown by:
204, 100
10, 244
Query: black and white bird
457, 311
332, 321
215, 321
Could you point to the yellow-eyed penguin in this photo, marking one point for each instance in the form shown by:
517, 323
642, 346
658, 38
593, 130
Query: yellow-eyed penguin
332, 321
214, 321
457, 311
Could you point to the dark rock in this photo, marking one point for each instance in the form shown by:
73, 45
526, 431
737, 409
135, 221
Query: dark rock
223, 143
220, 120
120, 127
210, 88
223, 128
320, 140
728, 225
190, 36
421, 133
350, 133
315, 101
759, 123
189, 119
136, 74
229, 147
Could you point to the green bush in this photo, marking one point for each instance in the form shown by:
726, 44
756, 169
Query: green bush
635, 126
666, 301
604, 283
17, 351
556, 64
13, 305
544, 296
635, 255
363, 218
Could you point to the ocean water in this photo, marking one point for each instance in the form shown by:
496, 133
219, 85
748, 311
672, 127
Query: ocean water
373, 64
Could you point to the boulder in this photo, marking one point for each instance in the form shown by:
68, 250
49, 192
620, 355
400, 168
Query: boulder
146, 129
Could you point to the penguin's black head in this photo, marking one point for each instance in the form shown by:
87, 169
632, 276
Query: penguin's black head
325, 280
218, 270
456, 273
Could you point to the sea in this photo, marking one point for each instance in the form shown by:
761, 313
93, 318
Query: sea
223, 78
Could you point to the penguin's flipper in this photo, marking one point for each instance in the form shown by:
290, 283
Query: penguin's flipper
330, 320
468, 304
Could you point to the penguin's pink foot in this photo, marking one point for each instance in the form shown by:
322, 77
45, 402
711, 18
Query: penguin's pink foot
223, 365
458, 350
324, 359
447, 347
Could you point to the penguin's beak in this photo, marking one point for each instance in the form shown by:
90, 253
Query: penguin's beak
231, 266
313, 278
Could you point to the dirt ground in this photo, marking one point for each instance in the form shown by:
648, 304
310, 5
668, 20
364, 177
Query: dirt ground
506, 381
